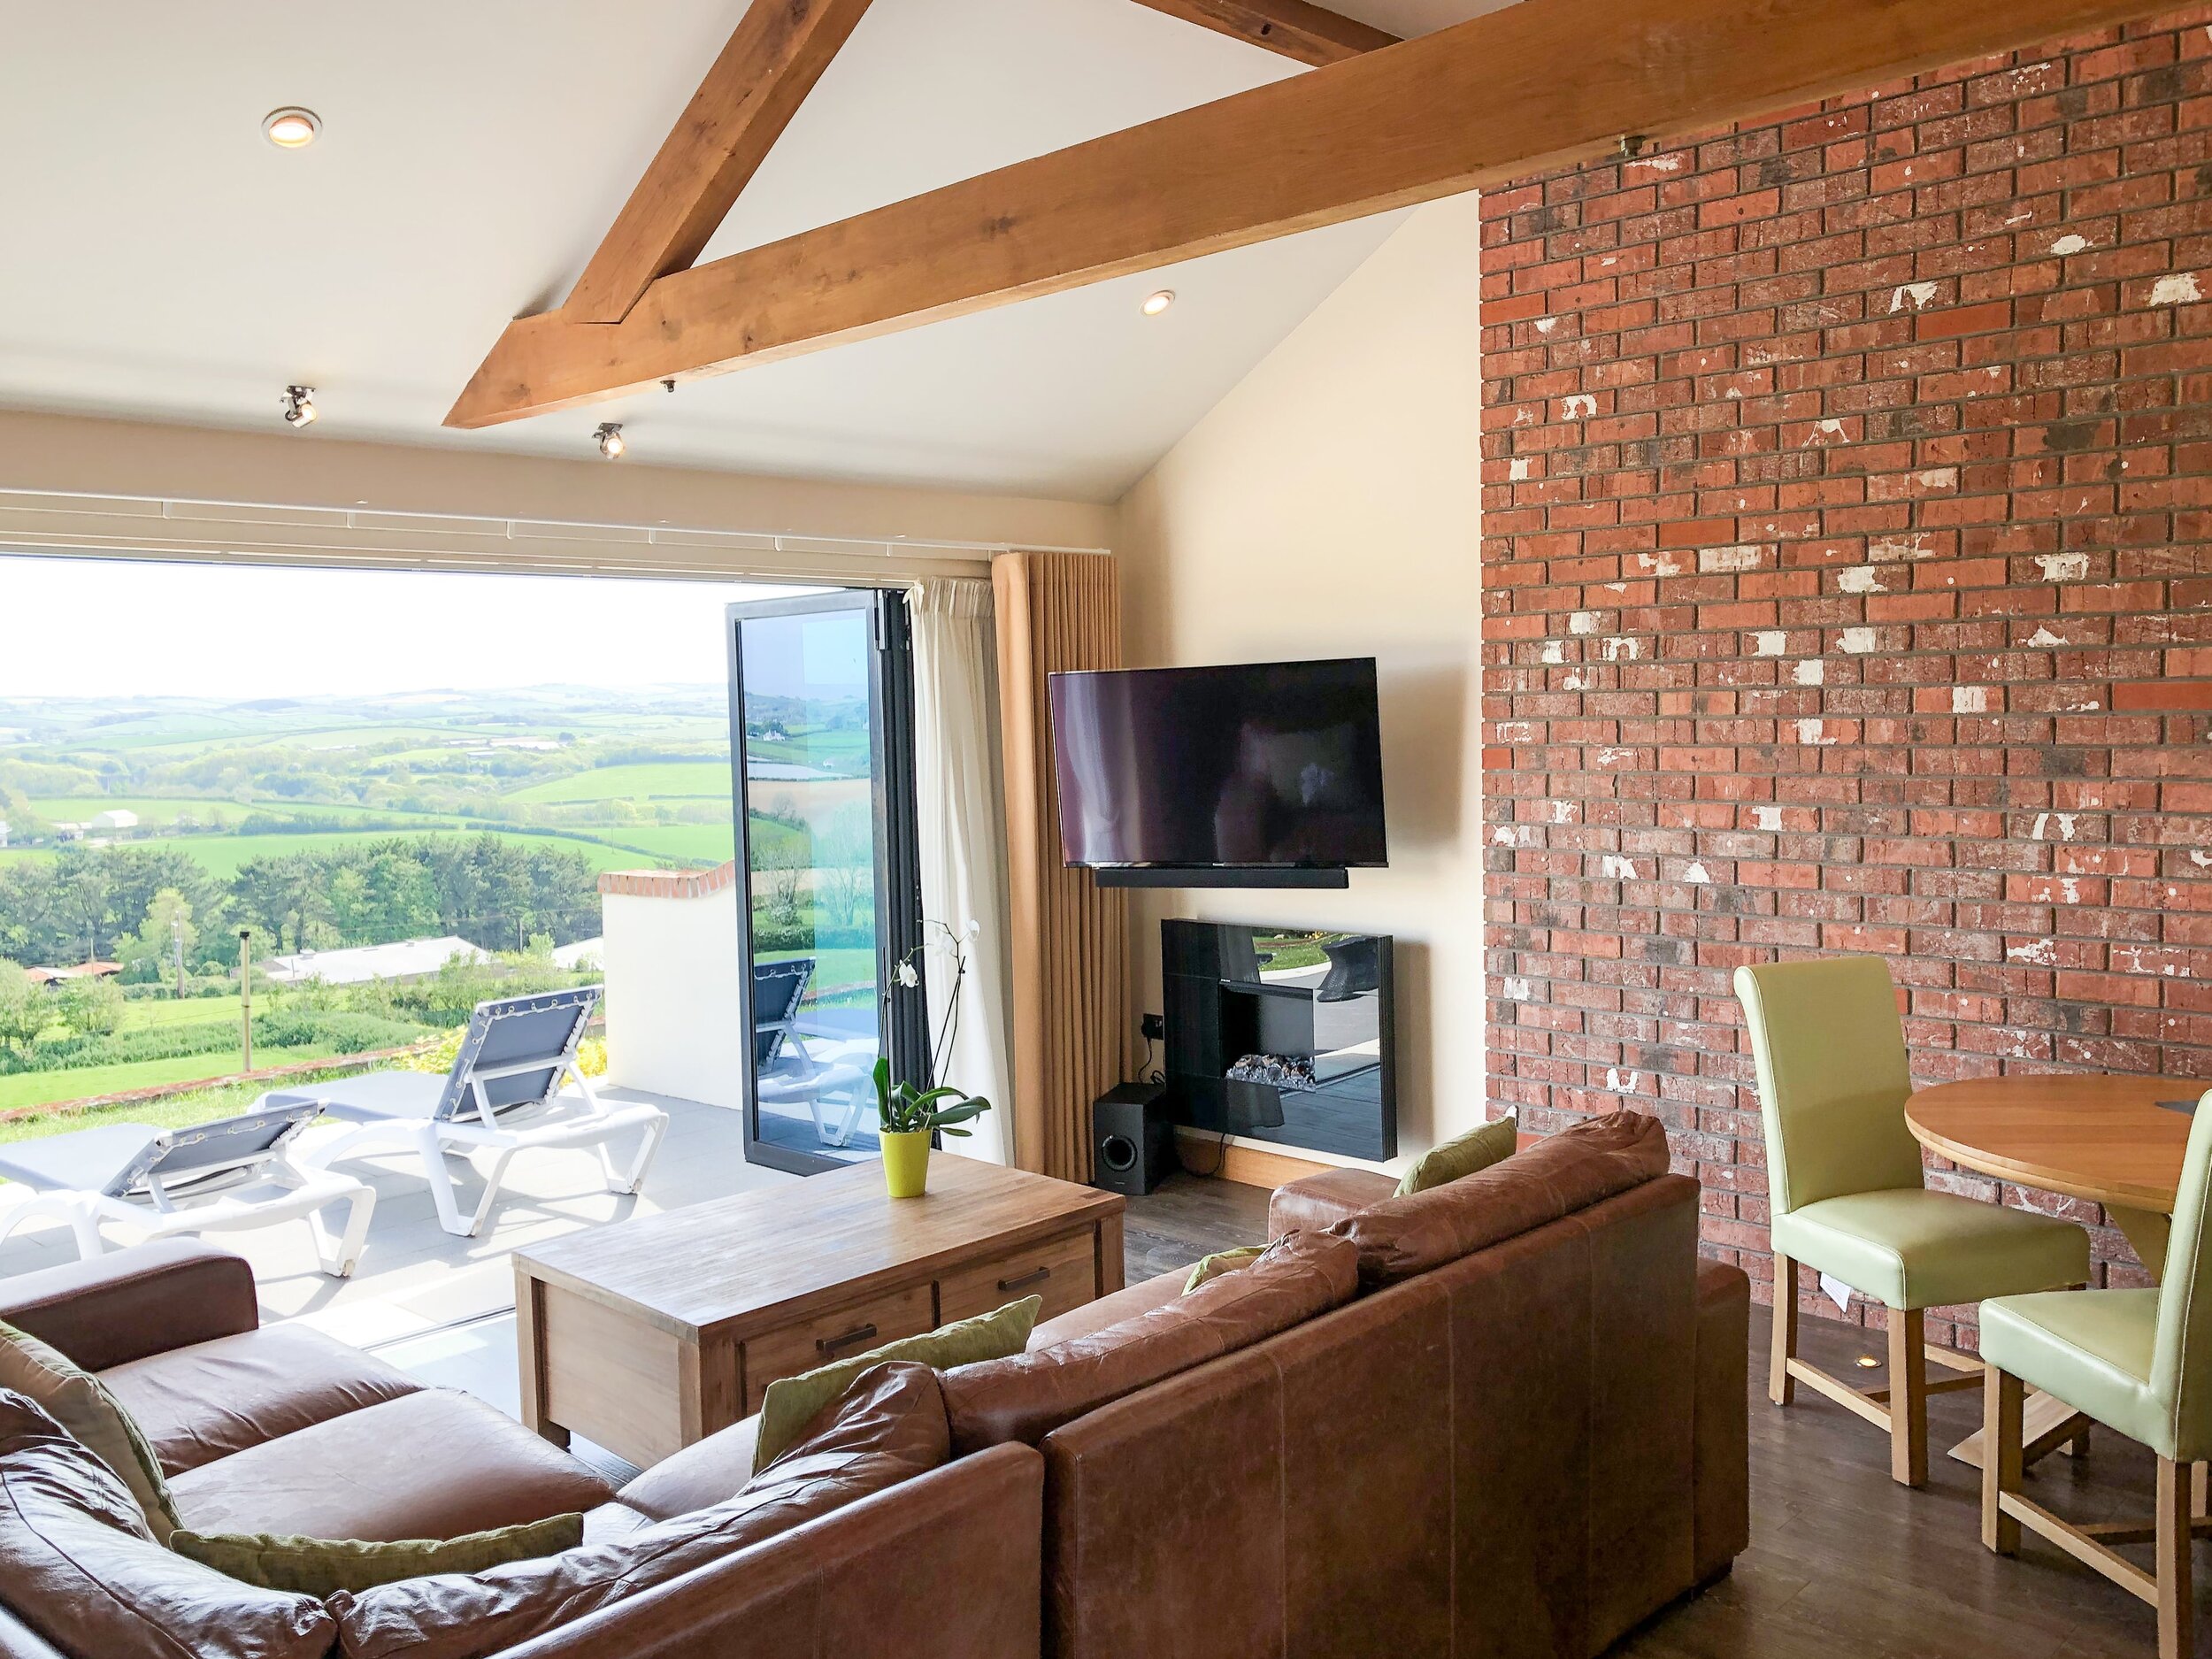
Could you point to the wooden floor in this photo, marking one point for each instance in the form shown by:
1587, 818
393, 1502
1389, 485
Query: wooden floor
1844, 1562
1187, 1218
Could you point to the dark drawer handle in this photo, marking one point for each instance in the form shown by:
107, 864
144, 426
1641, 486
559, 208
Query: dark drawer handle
859, 1333
1025, 1280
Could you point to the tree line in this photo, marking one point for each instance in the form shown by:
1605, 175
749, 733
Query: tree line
136, 904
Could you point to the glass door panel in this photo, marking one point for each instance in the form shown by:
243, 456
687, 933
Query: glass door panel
821, 911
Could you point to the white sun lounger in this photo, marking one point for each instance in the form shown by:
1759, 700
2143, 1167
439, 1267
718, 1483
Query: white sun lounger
504, 1093
232, 1174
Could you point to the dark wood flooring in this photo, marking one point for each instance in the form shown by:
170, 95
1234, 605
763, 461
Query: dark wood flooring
1844, 1562
1187, 1217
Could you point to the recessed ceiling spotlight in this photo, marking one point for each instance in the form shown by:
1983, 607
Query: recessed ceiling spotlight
609, 437
1155, 303
299, 406
291, 128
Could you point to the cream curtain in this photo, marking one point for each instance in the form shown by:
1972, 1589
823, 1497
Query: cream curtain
959, 799
1055, 610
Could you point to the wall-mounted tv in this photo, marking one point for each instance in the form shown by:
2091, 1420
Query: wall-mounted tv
1254, 774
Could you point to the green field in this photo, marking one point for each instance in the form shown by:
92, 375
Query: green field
158, 811
845, 754
190, 1011
708, 779
685, 843
223, 855
39, 1089
153, 810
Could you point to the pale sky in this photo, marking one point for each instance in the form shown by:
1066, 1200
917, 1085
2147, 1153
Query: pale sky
78, 626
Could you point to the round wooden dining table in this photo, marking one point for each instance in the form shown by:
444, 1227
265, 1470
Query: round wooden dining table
2116, 1141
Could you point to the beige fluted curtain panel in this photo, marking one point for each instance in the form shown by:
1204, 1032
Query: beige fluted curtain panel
1055, 610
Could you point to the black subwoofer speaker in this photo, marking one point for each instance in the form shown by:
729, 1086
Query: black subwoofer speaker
1133, 1139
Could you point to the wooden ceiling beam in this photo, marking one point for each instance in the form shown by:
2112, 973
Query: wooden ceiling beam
1542, 84
778, 51
1292, 27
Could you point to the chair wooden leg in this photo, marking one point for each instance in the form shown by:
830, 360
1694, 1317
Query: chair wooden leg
2002, 1398
2200, 1491
2176, 1598
1781, 1386
1907, 1397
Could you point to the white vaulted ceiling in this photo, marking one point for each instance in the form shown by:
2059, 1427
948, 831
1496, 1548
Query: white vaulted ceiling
159, 258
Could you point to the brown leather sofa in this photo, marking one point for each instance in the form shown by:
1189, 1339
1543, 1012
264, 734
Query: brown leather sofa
1525, 1450
1510, 1421
279, 1429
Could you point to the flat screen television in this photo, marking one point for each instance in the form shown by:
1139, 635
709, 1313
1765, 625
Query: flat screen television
1254, 774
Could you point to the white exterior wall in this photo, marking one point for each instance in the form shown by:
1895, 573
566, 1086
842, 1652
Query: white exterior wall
672, 1009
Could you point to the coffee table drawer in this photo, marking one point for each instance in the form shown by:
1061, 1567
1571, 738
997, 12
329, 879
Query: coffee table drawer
1062, 1271
838, 1334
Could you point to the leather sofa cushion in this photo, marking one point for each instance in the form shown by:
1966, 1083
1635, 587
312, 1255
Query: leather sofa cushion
1399, 1237
1316, 1202
82, 1569
214, 1398
1125, 1303
704, 1473
889, 1427
1026, 1397
435, 1463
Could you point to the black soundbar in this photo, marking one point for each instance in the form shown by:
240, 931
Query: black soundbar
1219, 876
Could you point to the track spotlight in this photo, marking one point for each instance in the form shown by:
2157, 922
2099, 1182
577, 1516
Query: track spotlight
609, 437
299, 406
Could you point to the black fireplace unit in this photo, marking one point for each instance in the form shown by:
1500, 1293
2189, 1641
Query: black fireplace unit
1282, 1034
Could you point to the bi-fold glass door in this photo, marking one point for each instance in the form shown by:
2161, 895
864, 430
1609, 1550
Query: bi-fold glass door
822, 747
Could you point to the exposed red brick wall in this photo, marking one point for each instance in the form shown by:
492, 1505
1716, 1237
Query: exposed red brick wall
1847, 480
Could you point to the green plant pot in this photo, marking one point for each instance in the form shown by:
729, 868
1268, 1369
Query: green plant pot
906, 1163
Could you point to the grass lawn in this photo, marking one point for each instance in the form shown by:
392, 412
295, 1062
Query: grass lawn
40, 1088
191, 1010
708, 779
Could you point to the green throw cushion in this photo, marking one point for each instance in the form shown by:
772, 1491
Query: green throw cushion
792, 1403
1220, 1263
80, 1403
1463, 1155
321, 1567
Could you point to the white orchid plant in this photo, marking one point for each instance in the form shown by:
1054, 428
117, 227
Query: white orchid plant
901, 1107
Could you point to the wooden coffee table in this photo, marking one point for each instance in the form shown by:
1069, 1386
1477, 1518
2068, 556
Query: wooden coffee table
651, 1333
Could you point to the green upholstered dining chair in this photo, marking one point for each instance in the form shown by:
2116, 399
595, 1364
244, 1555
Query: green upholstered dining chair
2139, 1361
1847, 1197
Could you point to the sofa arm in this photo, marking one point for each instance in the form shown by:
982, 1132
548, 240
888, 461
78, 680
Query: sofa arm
1317, 1201
148, 1299
947, 1566
1721, 1422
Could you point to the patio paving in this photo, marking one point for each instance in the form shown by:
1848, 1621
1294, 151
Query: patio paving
414, 1276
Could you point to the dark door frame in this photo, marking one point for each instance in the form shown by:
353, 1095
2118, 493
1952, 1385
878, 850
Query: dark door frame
903, 1011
